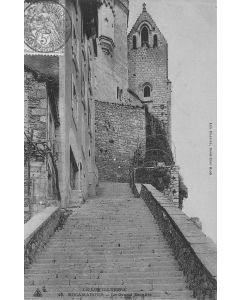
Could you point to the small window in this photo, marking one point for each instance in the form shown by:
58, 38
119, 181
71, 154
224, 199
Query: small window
147, 91
120, 95
134, 42
74, 91
155, 41
117, 92
144, 36
83, 85
74, 101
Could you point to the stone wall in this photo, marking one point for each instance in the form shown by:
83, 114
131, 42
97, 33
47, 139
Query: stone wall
196, 254
158, 142
36, 106
164, 179
37, 231
173, 191
120, 129
148, 65
35, 121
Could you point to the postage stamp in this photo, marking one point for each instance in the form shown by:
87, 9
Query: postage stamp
47, 26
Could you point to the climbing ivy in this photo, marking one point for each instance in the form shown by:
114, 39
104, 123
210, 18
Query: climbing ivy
159, 177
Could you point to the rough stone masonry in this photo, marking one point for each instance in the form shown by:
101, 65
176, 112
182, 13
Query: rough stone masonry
120, 129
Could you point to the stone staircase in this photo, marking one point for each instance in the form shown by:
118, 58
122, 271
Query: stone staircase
110, 248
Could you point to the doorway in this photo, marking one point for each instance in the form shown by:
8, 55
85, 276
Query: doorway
73, 171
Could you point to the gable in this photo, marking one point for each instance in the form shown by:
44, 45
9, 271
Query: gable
146, 19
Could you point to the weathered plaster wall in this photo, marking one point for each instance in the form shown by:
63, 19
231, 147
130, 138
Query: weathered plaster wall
76, 112
119, 131
121, 47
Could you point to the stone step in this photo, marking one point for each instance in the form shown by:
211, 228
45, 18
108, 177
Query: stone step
110, 225
124, 250
117, 274
103, 251
110, 246
117, 242
80, 268
130, 242
112, 218
90, 254
102, 263
102, 233
107, 258
134, 243
114, 237
114, 244
110, 242
52, 280
138, 255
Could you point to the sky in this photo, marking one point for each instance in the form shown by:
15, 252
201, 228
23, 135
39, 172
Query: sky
190, 29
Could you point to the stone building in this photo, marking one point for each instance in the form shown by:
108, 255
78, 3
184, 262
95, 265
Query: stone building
59, 111
96, 102
132, 88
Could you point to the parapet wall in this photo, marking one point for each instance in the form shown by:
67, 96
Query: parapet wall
196, 254
37, 232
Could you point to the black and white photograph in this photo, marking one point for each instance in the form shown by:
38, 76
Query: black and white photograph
120, 149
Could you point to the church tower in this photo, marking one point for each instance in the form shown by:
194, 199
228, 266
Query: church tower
148, 68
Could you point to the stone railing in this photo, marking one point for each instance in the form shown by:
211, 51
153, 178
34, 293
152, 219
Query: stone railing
196, 254
37, 232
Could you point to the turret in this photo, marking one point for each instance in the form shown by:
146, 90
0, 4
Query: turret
112, 61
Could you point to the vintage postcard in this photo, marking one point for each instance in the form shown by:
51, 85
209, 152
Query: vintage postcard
120, 149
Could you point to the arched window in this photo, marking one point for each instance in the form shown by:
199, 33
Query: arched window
155, 41
147, 91
144, 36
134, 42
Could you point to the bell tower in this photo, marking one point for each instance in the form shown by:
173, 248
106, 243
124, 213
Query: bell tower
148, 68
